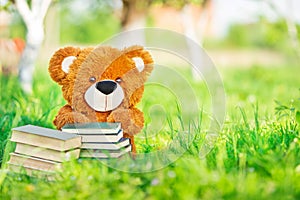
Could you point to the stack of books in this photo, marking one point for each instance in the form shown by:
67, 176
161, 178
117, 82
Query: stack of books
41, 150
100, 139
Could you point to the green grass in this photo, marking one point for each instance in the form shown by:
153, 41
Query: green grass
256, 156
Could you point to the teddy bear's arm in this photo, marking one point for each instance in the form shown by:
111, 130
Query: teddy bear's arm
132, 120
67, 115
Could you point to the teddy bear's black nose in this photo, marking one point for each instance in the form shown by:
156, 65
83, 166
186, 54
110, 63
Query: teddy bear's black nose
106, 87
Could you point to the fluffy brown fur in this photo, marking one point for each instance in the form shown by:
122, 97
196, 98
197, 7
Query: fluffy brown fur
103, 63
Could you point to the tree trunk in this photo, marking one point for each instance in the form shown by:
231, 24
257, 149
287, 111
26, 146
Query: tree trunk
134, 18
34, 39
33, 18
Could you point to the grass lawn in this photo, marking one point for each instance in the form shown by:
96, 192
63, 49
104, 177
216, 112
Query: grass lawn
256, 154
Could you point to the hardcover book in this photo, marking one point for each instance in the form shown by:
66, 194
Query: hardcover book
106, 145
45, 153
104, 153
46, 138
33, 162
93, 128
102, 138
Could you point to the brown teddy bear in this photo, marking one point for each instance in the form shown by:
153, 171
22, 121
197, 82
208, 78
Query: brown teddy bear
102, 84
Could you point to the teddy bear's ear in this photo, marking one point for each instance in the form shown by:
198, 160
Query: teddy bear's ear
139, 63
61, 61
141, 57
67, 62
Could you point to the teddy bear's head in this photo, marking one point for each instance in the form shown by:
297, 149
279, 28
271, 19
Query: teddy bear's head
101, 79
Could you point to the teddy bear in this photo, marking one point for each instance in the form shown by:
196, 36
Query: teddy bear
102, 84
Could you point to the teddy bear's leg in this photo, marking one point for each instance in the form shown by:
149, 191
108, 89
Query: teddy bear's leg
131, 137
67, 115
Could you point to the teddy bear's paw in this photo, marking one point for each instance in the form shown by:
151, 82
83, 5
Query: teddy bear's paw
127, 119
120, 115
61, 120
134, 129
80, 118
69, 118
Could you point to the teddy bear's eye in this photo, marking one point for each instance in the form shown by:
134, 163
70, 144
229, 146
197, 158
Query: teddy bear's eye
118, 80
92, 79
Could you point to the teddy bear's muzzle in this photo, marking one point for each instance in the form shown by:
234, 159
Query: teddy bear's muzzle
104, 95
